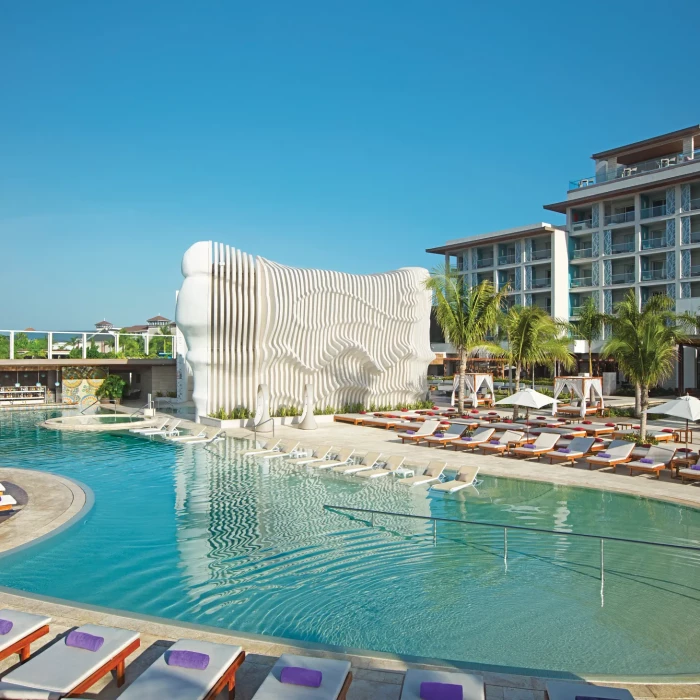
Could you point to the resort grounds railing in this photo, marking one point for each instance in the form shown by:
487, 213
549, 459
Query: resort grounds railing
516, 528
264, 422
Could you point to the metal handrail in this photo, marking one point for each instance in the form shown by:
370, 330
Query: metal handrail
89, 396
257, 425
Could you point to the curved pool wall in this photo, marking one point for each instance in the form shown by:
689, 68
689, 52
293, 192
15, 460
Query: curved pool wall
96, 422
201, 535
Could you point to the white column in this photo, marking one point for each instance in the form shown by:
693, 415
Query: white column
84, 346
145, 343
12, 345
49, 353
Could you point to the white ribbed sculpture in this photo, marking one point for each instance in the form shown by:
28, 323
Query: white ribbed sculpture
250, 321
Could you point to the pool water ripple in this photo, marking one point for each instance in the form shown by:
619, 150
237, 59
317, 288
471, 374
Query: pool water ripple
203, 534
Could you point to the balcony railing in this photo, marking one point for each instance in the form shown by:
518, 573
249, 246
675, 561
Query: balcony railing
695, 271
510, 282
693, 206
507, 259
577, 253
581, 281
581, 225
484, 262
650, 212
624, 247
657, 274
695, 236
620, 218
622, 278
576, 310
651, 243
542, 254
634, 169
541, 282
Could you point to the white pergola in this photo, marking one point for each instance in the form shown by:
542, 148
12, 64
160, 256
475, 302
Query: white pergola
473, 381
586, 388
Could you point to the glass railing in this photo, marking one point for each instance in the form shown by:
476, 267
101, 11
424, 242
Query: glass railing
650, 212
577, 253
622, 278
695, 236
576, 310
633, 169
624, 247
581, 225
484, 262
621, 218
542, 254
581, 281
695, 271
651, 243
658, 274
694, 205
508, 259
541, 283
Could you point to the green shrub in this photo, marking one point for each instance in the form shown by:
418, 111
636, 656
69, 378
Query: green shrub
637, 438
111, 388
237, 413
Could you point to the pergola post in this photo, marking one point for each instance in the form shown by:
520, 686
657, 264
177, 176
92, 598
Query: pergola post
12, 345
681, 369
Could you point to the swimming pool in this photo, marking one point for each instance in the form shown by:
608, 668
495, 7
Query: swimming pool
203, 535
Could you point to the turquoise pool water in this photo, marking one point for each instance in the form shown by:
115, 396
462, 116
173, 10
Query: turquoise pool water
200, 534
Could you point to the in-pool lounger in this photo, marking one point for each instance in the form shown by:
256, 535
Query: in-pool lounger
367, 462
391, 466
432, 473
285, 449
267, 447
341, 457
318, 454
466, 476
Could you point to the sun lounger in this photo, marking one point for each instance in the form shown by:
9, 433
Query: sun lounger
386, 423
169, 430
286, 449
163, 680
479, 437
595, 429
657, 459
543, 443
7, 502
432, 473
341, 457
158, 426
472, 685
503, 441
367, 462
577, 448
67, 670
354, 418
26, 628
391, 466
267, 447
186, 438
466, 476
426, 430
664, 435
570, 690
317, 455
617, 452
445, 437
335, 680
690, 473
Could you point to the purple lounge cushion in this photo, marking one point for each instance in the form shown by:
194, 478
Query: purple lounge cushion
187, 659
696, 467
439, 435
589, 697
606, 455
646, 460
5, 626
410, 432
529, 446
495, 442
83, 640
467, 439
301, 676
564, 450
440, 691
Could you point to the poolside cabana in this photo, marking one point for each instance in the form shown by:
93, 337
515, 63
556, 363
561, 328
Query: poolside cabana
473, 382
587, 389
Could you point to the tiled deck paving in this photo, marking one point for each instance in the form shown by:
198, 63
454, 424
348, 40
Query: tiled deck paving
375, 676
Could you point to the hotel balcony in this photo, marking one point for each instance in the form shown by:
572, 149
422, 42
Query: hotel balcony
507, 254
581, 219
652, 211
695, 270
541, 254
583, 250
620, 211
654, 241
581, 281
626, 277
543, 301
655, 273
694, 204
507, 259
484, 262
543, 282
621, 246
506, 279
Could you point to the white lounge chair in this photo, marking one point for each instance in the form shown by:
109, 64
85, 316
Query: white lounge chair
654, 462
267, 447
471, 684
466, 476
432, 473
7, 502
367, 462
454, 432
187, 438
317, 455
617, 452
169, 430
26, 628
691, 473
479, 437
158, 426
570, 690
503, 442
163, 680
391, 466
543, 443
335, 679
341, 457
579, 447
424, 431
285, 449
66, 670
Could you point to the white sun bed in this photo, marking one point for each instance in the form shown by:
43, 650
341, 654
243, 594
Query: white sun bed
654, 462
425, 430
432, 473
169, 430
472, 684
66, 670
158, 426
480, 436
577, 448
7, 502
26, 628
267, 447
503, 442
318, 454
617, 452
543, 443
367, 462
186, 438
570, 690
466, 476
285, 449
161, 680
391, 466
341, 457
454, 432
335, 680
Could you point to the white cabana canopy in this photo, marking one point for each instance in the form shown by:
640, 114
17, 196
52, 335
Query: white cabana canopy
586, 388
473, 381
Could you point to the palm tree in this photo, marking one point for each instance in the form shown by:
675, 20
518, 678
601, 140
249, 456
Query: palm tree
644, 343
589, 326
534, 338
466, 315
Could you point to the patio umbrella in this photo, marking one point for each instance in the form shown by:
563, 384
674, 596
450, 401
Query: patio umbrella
527, 398
687, 407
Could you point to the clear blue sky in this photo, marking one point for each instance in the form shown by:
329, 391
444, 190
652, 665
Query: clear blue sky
345, 135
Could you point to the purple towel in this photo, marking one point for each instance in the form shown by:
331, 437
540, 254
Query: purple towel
187, 659
301, 676
83, 640
495, 442
440, 691
564, 450
5, 626
439, 435
589, 697
529, 445
410, 432
646, 460
604, 454
467, 439
696, 467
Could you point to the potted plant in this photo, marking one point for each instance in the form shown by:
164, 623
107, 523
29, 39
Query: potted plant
111, 388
